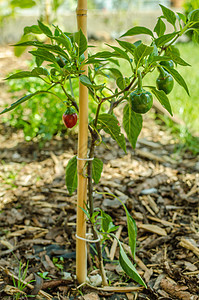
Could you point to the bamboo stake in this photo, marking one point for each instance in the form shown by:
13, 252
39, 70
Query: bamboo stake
81, 256
47, 11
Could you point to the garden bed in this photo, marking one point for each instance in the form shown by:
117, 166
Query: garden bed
37, 222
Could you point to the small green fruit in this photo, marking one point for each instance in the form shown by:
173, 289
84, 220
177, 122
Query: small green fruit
141, 101
165, 83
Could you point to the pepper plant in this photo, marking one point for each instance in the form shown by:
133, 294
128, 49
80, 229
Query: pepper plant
63, 59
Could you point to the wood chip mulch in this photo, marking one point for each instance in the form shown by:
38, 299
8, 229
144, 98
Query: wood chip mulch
37, 221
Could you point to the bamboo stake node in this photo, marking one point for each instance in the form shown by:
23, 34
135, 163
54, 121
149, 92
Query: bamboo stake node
81, 12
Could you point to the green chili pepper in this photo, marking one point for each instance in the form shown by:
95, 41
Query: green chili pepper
141, 101
164, 81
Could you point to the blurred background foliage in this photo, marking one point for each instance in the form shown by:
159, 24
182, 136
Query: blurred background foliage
12, 7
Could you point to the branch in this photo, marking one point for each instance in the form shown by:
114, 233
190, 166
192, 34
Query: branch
74, 103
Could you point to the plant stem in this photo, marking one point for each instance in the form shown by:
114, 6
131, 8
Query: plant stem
167, 46
116, 103
121, 92
91, 200
71, 87
115, 95
91, 211
162, 72
139, 80
74, 103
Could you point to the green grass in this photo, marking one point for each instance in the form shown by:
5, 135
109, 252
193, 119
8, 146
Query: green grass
183, 106
187, 108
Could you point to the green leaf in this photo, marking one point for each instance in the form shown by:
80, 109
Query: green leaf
86, 81
121, 83
116, 73
101, 56
194, 26
162, 40
36, 72
128, 267
45, 55
110, 125
106, 222
32, 29
39, 71
195, 36
160, 27
132, 123
20, 101
180, 80
81, 41
127, 46
45, 29
153, 55
178, 60
39, 61
29, 43
132, 233
97, 168
182, 17
114, 61
161, 58
22, 74
174, 54
169, 15
141, 52
22, 4
132, 229
56, 49
138, 30
45, 47
93, 61
121, 53
86, 213
193, 16
71, 175
19, 50
162, 98
64, 41
137, 43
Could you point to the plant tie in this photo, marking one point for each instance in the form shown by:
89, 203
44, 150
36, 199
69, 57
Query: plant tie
87, 240
88, 158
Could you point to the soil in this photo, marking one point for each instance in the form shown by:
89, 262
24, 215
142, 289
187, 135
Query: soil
159, 186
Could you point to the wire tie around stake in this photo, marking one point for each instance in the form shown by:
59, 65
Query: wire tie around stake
86, 159
87, 240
